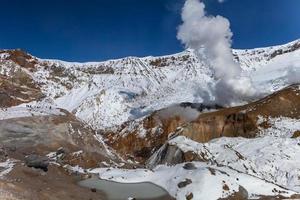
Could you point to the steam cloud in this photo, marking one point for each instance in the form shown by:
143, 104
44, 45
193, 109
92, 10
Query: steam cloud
212, 36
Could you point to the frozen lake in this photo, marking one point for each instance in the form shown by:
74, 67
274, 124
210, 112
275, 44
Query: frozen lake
122, 191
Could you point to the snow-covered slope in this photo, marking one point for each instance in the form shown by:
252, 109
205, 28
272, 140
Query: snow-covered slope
132, 88
106, 94
269, 158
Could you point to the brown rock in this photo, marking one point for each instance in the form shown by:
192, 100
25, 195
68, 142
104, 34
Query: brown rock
296, 134
189, 196
225, 187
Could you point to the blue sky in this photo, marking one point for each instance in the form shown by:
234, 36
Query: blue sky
93, 30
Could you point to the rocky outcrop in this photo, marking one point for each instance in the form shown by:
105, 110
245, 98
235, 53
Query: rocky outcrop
170, 154
35, 143
140, 139
184, 183
131, 144
241, 121
18, 88
242, 194
291, 48
38, 162
167, 154
16, 84
32, 137
24, 183
20, 58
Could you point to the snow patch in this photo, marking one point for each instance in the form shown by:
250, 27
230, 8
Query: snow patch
6, 167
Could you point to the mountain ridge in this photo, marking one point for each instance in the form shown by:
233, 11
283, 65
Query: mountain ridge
291, 43
137, 85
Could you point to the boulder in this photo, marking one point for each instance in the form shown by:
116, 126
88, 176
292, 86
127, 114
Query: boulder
184, 183
36, 161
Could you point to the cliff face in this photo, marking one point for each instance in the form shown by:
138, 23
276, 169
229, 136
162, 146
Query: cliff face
17, 86
132, 145
139, 139
243, 121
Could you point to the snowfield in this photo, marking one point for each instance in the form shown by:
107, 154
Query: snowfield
6, 167
29, 110
272, 159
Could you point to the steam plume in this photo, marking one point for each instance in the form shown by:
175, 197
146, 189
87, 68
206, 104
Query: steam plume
212, 35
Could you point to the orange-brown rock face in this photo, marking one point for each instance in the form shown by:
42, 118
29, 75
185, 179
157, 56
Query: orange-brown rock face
242, 121
14, 91
131, 144
140, 138
21, 58
16, 85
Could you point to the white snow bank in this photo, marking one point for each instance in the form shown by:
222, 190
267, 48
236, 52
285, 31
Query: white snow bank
29, 110
208, 182
281, 126
6, 167
275, 159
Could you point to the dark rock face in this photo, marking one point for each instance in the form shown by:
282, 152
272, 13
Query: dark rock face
200, 106
189, 166
170, 154
242, 194
296, 134
145, 152
292, 48
189, 196
60, 151
3, 154
184, 183
38, 162
167, 154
